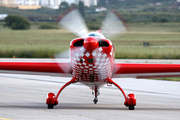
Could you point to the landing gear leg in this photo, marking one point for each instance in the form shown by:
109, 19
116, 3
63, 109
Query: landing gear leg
96, 94
130, 100
52, 101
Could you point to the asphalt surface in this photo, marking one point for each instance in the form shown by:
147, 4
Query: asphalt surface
23, 97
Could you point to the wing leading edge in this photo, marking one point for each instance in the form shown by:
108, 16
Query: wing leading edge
146, 70
40, 67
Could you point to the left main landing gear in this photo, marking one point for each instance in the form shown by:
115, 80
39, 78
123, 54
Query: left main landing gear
130, 100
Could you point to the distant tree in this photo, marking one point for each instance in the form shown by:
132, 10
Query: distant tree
102, 2
16, 22
155, 19
47, 26
81, 8
163, 20
73, 5
129, 18
63, 6
113, 2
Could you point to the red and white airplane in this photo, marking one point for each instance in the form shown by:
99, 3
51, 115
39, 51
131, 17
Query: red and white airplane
92, 60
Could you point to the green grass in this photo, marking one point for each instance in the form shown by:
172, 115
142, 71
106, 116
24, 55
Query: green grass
169, 79
155, 27
155, 38
37, 43
135, 52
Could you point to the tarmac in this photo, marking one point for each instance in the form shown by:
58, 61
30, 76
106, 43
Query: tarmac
23, 97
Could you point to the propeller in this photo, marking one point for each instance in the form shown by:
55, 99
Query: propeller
74, 23
64, 54
112, 25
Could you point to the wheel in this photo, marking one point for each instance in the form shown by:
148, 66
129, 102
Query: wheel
131, 107
50, 106
95, 100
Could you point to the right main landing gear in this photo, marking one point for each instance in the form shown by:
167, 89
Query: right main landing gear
52, 101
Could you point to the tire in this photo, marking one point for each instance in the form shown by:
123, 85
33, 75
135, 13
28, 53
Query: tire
95, 100
131, 107
50, 106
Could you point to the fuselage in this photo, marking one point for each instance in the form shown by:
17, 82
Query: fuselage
92, 59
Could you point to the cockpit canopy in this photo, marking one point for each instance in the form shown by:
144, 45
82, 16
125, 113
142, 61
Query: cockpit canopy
95, 34
102, 41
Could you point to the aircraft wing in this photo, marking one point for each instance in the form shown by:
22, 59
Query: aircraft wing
146, 70
37, 68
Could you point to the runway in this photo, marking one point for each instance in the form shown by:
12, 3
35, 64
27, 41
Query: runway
23, 97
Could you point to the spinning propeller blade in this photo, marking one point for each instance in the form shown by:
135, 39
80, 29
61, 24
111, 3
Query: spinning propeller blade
73, 22
113, 25
63, 54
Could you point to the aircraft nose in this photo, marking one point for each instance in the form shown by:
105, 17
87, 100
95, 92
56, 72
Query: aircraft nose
90, 44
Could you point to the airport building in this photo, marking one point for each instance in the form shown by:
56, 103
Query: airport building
7, 2
27, 2
54, 4
31, 4
35, 4
21, 4
87, 3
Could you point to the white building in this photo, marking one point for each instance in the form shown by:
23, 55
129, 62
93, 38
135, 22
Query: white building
50, 3
3, 16
31, 4
69, 1
100, 9
27, 2
7, 2
93, 2
87, 3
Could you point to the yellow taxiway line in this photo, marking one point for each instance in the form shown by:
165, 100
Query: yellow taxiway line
4, 118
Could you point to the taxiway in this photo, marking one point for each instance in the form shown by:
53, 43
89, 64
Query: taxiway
23, 97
